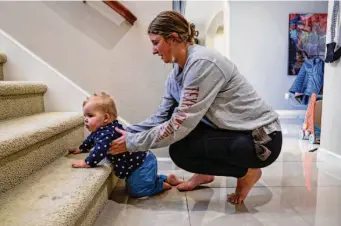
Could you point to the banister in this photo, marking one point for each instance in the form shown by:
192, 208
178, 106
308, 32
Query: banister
122, 10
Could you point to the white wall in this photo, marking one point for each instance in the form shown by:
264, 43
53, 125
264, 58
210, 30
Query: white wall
212, 29
227, 28
92, 51
22, 65
202, 14
331, 107
259, 44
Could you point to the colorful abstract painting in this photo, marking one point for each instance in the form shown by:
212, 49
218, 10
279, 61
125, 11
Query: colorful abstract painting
307, 38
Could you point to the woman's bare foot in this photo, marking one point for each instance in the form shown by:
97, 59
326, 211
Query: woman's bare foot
173, 180
244, 186
166, 186
196, 180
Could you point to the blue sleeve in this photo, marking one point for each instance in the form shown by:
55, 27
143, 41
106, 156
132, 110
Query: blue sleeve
87, 143
299, 84
102, 143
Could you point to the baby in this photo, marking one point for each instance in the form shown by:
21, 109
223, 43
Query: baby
139, 169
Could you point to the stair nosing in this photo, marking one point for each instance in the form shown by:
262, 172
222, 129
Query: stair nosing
19, 141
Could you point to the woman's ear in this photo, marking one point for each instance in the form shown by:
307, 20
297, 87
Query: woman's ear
174, 36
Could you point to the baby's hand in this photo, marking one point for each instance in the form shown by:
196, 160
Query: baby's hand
74, 151
80, 164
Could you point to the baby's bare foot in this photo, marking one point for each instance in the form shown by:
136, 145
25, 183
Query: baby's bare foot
166, 186
173, 180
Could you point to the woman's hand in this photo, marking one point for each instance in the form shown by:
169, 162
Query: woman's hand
119, 145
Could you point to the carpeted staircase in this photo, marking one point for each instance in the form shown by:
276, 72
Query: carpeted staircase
38, 186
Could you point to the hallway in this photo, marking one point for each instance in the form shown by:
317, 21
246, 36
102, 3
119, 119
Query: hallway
298, 189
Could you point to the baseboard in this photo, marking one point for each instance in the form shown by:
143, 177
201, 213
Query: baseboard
325, 155
329, 163
164, 159
291, 114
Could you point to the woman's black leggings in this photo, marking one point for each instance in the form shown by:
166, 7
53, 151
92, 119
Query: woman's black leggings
221, 152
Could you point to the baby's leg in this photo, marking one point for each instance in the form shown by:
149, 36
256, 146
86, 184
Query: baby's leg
173, 180
145, 181
161, 183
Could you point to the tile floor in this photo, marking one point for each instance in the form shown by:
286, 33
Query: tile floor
297, 189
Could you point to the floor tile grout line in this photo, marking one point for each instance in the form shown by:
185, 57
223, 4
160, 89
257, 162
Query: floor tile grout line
189, 216
298, 214
295, 211
292, 207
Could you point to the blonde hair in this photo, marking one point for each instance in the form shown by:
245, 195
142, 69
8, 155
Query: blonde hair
104, 102
168, 22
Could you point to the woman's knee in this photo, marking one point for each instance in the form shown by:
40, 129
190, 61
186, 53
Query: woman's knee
242, 146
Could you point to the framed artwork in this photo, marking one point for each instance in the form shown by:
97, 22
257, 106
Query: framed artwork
307, 38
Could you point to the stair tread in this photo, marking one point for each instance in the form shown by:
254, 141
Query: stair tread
56, 195
9, 88
18, 133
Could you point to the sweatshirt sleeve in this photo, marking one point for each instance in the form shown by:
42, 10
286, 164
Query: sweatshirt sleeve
162, 114
202, 82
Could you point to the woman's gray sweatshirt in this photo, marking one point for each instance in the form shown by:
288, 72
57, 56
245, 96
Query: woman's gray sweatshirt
209, 89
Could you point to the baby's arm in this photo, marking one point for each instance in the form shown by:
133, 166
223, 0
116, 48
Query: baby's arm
102, 144
84, 147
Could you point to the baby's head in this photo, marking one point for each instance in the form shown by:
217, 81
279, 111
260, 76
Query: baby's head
99, 110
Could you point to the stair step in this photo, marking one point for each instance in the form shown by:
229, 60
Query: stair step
19, 133
21, 98
29, 143
58, 195
11, 88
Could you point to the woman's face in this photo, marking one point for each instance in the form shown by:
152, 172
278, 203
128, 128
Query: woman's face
161, 47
